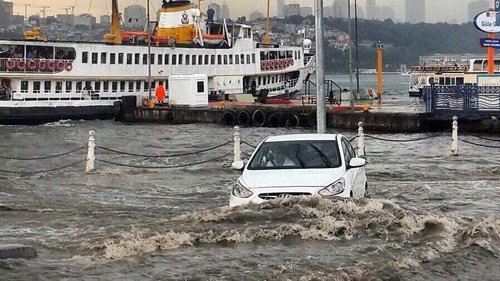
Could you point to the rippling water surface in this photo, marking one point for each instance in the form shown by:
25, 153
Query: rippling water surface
428, 216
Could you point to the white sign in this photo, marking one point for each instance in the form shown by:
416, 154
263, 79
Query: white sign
487, 22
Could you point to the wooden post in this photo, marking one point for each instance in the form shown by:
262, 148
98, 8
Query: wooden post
380, 46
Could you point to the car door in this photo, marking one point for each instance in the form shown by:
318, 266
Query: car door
355, 176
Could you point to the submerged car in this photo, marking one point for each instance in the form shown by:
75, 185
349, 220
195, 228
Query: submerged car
301, 165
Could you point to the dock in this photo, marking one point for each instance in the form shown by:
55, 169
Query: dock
296, 114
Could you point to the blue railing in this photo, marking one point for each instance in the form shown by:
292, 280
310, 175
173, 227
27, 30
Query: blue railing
462, 100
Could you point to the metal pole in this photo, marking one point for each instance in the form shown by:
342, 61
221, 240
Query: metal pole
149, 55
351, 100
90, 160
320, 70
357, 43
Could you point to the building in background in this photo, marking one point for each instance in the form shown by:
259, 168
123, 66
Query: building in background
292, 10
85, 20
386, 12
371, 10
340, 9
281, 8
256, 15
6, 12
476, 7
134, 16
306, 11
105, 20
66, 18
415, 11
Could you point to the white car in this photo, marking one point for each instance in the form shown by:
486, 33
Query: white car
301, 165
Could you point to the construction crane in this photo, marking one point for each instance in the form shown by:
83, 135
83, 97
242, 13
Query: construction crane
66, 9
43, 10
266, 39
25, 9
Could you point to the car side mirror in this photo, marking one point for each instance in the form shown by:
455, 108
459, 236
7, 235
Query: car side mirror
357, 162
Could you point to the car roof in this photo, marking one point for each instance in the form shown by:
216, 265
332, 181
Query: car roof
302, 137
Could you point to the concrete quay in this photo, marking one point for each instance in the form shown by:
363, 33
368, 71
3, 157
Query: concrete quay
295, 114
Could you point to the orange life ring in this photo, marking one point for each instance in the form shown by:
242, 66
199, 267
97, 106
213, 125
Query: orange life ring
60, 65
31, 64
51, 64
21, 64
42, 64
263, 64
10, 64
145, 102
68, 66
291, 61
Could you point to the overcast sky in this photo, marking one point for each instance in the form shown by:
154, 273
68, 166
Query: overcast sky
456, 10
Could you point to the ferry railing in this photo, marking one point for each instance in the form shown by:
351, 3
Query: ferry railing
462, 100
330, 94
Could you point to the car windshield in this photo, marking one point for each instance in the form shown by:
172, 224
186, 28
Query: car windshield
307, 154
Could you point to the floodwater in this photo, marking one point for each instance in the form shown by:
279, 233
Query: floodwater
428, 216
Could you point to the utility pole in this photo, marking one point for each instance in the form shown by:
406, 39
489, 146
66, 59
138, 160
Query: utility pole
351, 100
320, 70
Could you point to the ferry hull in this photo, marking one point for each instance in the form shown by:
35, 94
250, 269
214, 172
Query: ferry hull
11, 115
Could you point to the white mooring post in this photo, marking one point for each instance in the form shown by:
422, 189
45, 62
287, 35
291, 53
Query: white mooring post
360, 150
237, 162
454, 137
90, 160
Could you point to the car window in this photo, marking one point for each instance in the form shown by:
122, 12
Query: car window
348, 151
307, 154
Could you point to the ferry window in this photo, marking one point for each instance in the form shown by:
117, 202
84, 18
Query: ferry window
94, 58
130, 86
259, 80
230, 59
112, 58
120, 58
200, 59
103, 57
145, 85
242, 59
97, 86
69, 86
193, 59
201, 86
152, 58
85, 57
58, 86
253, 58
207, 60
180, 59
24, 86
453, 81
137, 58
447, 81
212, 59
129, 58
145, 59
295, 55
187, 59
167, 59
114, 86
441, 80
105, 86
160, 59
237, 59
174, 59
289, 54
248, 59
36, 86
138, 86
122, 86
78, 87
47, 86
460, 80
219, 59
225, 59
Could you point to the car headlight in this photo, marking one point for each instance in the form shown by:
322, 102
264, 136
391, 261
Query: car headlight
240, 191
333, 189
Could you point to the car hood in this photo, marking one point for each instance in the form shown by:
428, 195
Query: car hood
290, 177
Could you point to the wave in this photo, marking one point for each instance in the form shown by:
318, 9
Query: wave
408, 237
60, 123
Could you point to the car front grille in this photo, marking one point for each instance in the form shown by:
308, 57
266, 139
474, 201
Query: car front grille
268, 196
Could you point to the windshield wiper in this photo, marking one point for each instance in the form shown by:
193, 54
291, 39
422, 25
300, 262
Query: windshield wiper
322, 155
297, 153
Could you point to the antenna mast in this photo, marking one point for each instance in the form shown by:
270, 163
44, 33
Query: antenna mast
266, 39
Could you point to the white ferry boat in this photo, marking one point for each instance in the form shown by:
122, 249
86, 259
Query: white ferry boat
450, 70
42, 81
